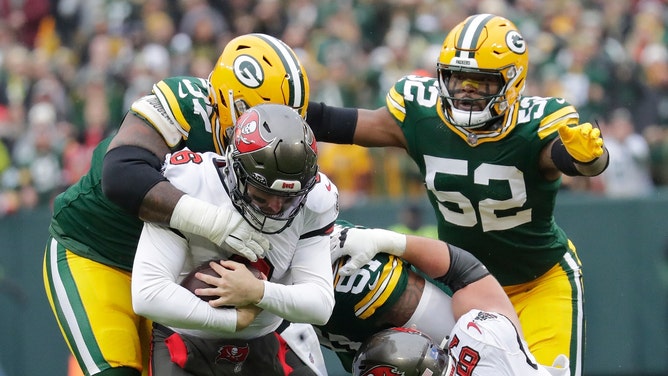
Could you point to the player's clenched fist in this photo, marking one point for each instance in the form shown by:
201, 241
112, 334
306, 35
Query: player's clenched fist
583, 142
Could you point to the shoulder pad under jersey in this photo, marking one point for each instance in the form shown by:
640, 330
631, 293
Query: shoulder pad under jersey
177, 104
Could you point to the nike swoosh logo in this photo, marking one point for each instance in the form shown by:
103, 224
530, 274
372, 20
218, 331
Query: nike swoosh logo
181, 93
373, 285
328, 186
473, 325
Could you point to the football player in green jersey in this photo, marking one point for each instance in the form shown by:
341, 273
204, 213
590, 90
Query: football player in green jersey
388, 292
492, 161
96, 222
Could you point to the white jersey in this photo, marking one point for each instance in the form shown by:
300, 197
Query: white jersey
300, 283
488, 344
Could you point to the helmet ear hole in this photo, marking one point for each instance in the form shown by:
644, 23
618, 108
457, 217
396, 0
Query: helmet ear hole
222, 100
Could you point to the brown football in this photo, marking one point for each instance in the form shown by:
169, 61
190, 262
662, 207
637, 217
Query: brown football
191, 283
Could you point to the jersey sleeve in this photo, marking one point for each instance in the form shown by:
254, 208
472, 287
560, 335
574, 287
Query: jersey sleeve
409, 90
321, 208
177, 108
553, 113
309, 298
156, 295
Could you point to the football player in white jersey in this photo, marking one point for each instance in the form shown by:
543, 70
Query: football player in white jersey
269, 174
481, 344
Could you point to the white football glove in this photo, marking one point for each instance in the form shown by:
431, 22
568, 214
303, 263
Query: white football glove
362, 244
220, 225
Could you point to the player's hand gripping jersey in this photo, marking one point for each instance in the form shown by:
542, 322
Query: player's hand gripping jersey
494, 196
387, 291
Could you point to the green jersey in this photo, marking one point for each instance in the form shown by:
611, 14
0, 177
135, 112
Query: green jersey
360, 299
92, 226
486, 188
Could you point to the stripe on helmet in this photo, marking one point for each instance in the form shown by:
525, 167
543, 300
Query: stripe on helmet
468, 39
291, 64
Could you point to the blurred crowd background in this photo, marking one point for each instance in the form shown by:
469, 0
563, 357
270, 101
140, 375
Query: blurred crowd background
69, 70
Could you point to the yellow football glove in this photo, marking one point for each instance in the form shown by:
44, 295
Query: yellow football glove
583, 142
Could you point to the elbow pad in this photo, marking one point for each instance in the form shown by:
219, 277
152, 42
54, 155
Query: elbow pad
332, 124
464, 269
128, 173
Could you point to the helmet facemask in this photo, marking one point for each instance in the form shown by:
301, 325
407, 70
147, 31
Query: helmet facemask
237, 181
474, 98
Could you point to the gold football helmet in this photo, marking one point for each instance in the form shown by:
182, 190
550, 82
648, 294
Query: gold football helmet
254, 69
487, 55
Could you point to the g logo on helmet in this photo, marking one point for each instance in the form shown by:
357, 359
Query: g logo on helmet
248, 71
382, 371
516, 42
247, 135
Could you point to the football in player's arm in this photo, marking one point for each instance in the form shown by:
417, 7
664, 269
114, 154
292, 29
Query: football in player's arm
269, 175
493, 188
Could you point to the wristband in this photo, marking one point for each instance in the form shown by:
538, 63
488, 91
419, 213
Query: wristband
392, 242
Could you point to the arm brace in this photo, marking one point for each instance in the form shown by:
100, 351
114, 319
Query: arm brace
128, 173
569, 166
332, 124
464, 269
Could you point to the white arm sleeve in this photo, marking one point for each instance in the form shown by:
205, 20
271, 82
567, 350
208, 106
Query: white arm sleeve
156, 295
309, 298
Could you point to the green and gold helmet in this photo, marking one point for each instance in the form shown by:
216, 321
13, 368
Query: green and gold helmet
254, 69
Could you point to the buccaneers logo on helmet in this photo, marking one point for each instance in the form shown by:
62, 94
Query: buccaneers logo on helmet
248, 136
